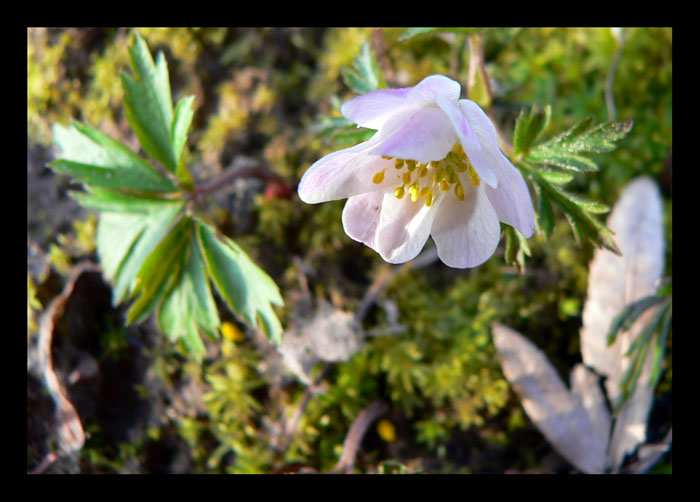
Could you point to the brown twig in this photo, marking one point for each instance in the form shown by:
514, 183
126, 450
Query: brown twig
357, 431
71, 436
260, 171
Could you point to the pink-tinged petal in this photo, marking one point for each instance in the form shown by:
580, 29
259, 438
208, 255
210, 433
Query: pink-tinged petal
421, 134
459, 122
371, 110
403, 228
490, 155
346, 173
466, 232
512, 200
361, 217
434, 86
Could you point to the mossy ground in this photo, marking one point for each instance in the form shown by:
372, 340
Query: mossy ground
150, 408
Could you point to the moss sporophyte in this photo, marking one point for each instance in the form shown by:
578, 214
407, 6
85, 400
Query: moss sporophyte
433, 168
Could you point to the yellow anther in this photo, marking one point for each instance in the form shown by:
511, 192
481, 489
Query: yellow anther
400, 192
379, 177
411, 164
459, 191
407, 178
429, 199
398, 163
452, 177
423, 171
444, 186
424, 191
413, 190
387, 158
461, 167
473, 176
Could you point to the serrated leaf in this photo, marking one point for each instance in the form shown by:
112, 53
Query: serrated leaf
557, 177
188, 307
148, 103
584, 226
181, 124
111, 201
160, 266
156, 225
364, 75
98, 160
246, 289
564, 151
629, 315
529, 128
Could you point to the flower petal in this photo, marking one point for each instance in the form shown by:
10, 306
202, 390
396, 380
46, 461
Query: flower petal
489, 154
434, 86
512, 200
421, 134
361, 217
346, 173
403, 228
466, 232
371, 110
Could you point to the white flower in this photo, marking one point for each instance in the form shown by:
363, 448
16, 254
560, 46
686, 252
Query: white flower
433, 168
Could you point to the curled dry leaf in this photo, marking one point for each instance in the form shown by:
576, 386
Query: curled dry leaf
614, 282
576, 423
331, 335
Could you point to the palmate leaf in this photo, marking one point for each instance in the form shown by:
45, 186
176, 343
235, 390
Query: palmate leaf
552, 164
364, 75
149, 108
565, 150
151, 247
246, 289
100, 161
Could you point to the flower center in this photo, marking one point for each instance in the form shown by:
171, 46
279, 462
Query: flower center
424, 181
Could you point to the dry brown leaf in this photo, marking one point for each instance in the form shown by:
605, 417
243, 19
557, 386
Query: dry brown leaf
576, 423
614, 282
331, 335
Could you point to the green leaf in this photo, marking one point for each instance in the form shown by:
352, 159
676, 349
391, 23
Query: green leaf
529, 128
565, 150
155, 226
112, 201
181, 124
415, 32
148, 104
576, 209
246, 289
161, 267
545, 213
364, 76
188, 307
625, 319
98, 160
517, 248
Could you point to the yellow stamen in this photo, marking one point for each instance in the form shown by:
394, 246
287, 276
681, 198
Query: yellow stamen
423, 171
424, 191
444, 186
459, 191
379, 177
407, 178
413, 190
429, 199
400, 192
398, 163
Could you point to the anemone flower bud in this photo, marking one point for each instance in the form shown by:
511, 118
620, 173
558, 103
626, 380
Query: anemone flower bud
433, 168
